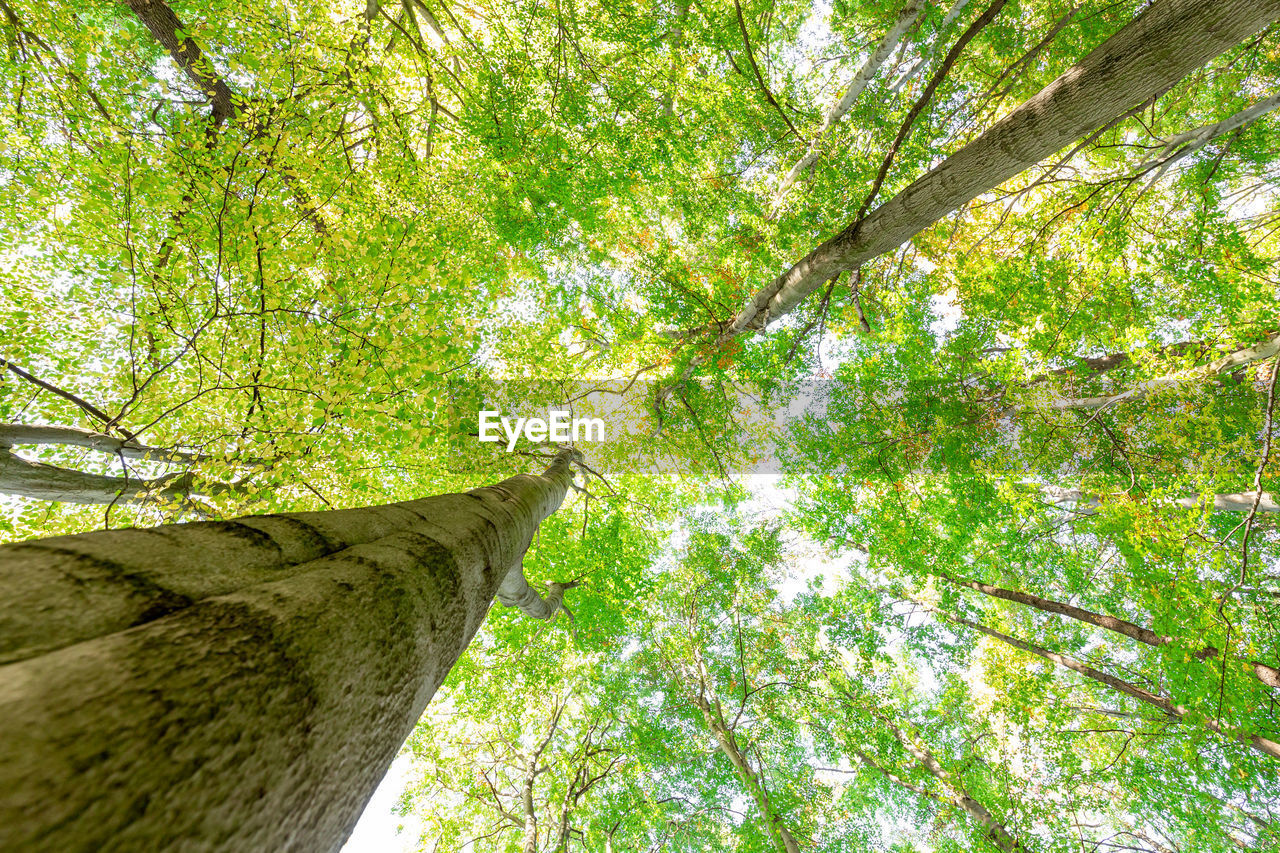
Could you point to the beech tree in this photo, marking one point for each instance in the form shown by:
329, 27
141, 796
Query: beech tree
263, 671
1138, 63
1008, 581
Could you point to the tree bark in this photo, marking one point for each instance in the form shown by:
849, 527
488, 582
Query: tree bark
238, 685
1176, 712
1168, 40
43, 482
1265, 673
714, 716
13, 434
1188, 142
1088, 504
164, 25
906, 17
169, 31
677, 46
706, 701
992, 829
1226, 364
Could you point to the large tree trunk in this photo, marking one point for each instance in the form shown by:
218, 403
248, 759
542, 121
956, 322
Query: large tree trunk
238, 685
1170, 39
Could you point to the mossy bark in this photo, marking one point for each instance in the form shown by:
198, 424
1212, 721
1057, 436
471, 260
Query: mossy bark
237, 685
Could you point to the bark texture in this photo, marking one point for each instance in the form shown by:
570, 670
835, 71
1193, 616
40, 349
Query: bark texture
164, 25
704, 698
1265, 673
237, 685
13, 434
39, 481
1175, 712
1154, 51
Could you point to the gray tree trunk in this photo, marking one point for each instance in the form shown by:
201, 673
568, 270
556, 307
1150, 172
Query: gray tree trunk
1226, 364
1170, 39
42, 482
1267, 674
906, 17
992, 829
238, 685
706, 700
39, 481
14, 434
1176, 712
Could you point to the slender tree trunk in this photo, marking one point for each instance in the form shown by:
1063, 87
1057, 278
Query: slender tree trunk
1226, 364
1088, 504
1268, 675
529, 843
14, 434
906, 17
1188, 142
706, 701
161, 21
1176, 712
238, 685
714, 716
164, 25
992, 828
1167, 41
956, 793
677, 47
43, 482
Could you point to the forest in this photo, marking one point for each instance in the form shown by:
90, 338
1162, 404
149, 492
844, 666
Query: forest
858, 414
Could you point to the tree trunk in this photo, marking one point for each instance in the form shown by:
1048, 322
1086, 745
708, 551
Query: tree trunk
992, 829
1226, 364
677, 46
238, 685
12, 434
906, 17
43, 482
706, 701
1265, 673
164, 25
1088, 504
1176, 712
1167, 41
713, 714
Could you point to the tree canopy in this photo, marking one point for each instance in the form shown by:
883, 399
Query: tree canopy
935, 346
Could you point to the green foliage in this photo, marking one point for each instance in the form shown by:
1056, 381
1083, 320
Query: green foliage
443, 207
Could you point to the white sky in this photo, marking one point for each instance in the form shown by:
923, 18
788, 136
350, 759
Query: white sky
379, 829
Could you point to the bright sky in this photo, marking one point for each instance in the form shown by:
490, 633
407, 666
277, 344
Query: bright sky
379, 829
